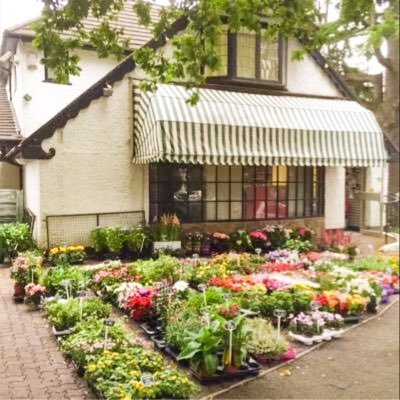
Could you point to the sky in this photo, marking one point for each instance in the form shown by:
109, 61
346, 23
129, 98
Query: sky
13, 12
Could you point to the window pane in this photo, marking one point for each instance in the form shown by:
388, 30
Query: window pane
248, 210
260, 192
248, 192
248, 174
209, 173
223, 174
271, 209
260, 209
246, 54
236, 174
221, 50
292, 209
260, 174
194, 211
236, 210
223, 191
236, 191
223, 211
269, 58
210, 191
209, 211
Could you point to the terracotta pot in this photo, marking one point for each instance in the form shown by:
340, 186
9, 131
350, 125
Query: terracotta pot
19, 291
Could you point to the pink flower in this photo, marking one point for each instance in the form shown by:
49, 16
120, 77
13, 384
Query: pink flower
259, 235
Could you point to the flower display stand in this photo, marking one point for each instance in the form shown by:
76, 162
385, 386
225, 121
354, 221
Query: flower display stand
326, 335
60, 333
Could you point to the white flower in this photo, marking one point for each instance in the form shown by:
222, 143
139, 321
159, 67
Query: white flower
180, 286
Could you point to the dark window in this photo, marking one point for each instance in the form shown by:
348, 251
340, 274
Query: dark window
247, 56
220, 193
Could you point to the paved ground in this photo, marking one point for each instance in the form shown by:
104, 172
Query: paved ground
363, 365
31, 366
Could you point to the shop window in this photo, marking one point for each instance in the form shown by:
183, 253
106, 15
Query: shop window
221, 193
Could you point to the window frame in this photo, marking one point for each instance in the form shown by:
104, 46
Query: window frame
231, 73
300, 195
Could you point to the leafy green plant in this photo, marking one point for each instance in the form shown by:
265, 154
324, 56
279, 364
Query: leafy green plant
98, 240
114, 239
241, 241
277, 300
201, 349
135, 240
66, 313
66, 255
15, 237
264, 339
168, 228
55, 277
302, 246
163, 268
88, 339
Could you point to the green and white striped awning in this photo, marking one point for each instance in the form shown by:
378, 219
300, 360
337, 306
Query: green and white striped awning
229, 128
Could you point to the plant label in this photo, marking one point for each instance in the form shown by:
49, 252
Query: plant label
109, 322
230, 326
280, 313
315, 305
147, 379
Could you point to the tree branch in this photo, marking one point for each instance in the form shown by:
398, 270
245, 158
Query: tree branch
382, 59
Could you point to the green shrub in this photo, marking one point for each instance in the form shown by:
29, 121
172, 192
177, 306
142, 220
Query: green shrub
15, 237
55, 276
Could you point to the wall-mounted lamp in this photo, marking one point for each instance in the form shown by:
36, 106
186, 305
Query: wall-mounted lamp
107, 90
27, 97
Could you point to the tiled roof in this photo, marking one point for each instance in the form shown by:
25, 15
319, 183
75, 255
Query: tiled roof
8, 126
127, 19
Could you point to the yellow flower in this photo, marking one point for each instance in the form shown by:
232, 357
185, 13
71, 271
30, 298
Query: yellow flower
139, 386
54, 251
126, 398
92, 367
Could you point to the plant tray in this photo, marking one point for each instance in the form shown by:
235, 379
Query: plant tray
352, 319
327, 334
251, 368
159, 341
174, 355
60, 333
148, 329
171, 245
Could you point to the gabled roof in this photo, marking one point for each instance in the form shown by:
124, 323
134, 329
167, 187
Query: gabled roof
9, 131
31, 146
127, 19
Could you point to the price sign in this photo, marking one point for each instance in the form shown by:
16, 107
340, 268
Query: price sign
147, 379
202, 287
258, 251
279, 313
67, 284
109, 322
315, 305
230, 326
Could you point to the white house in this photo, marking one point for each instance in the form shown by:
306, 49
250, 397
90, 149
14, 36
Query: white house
270, 141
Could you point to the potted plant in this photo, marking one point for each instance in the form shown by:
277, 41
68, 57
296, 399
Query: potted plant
167, 233
33, 294
25, 269
265, 345
220, 242
201, 349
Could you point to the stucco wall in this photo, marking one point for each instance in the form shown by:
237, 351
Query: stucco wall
49, 98
335, 178
32, 185
92, 171
9, 176
306, 77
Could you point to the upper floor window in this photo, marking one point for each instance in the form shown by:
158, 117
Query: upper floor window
248, 56
49, 76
